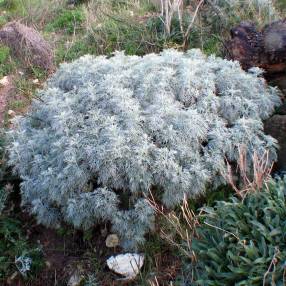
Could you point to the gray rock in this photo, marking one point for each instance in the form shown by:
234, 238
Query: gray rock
276, 127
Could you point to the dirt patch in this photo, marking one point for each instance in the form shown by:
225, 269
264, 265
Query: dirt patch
66, 251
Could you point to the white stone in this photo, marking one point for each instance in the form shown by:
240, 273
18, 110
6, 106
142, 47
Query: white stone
4, 81
128, 265
112, 240
11, 113
36, 81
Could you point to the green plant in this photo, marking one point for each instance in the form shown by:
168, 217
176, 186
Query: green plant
39, 73
7, 65
35, 12
212, 45
15, 252
281, 5
26, 87
175, 36
17, 104
117, 25
243, 242
9, 4
82, 46
91, 280
218, 16
3, 20
202, 24
124, 34
68, 20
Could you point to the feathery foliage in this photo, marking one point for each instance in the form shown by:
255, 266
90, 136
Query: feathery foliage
107, 130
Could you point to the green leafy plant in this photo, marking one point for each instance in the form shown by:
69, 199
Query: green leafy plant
82, 46
6, 63
4, 54
3, 20
9, 4
124, 33
242, 242
68, 20
175, 36
91, 280
218, 16
281, 5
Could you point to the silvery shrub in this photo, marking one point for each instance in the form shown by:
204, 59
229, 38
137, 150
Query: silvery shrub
105, 131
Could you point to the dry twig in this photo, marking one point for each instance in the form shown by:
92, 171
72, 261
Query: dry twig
261, 173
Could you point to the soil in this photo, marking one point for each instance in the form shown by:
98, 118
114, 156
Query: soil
68, 250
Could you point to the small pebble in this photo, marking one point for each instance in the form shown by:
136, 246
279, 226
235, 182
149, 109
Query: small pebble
4, 81
11, 113
112, 240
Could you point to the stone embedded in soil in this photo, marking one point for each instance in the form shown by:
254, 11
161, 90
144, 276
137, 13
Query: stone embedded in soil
4, 81
127, 265
112, 240
11, 113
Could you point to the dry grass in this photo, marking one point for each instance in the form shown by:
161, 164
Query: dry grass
180, 229
261, 173
36, 13
182, 226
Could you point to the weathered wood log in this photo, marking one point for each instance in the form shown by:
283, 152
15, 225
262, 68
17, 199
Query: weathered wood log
264, 48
